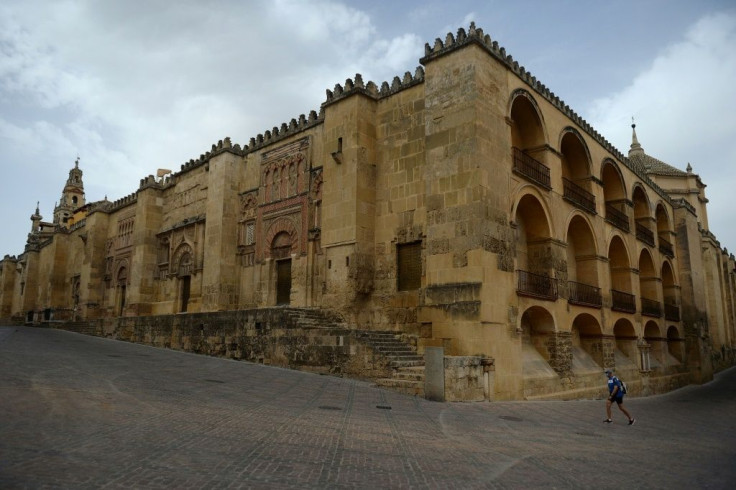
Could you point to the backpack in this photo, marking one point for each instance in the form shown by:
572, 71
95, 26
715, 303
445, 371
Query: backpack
624, 389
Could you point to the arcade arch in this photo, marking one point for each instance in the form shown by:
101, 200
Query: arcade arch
582, 264
576, 175
614, 196
649, 286
619, 268
533, 242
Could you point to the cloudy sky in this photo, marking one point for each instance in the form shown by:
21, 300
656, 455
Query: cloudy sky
134, 86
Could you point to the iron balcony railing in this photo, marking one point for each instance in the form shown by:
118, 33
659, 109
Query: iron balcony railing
665, 247
531, 169
578, 196
617, 218
536, 285
644, 234
650, 307
624, 302
671, 313
584, 294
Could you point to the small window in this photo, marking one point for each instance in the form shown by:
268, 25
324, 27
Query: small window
409, 266
74, 200
250, 233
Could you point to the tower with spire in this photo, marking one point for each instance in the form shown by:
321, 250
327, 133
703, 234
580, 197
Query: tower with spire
72, 197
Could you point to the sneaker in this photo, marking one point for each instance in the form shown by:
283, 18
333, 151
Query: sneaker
632, 421
609, 421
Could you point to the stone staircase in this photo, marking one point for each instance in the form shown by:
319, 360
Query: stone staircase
408, 367
314, 318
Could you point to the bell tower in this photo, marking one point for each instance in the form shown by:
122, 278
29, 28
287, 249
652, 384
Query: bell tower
72, 197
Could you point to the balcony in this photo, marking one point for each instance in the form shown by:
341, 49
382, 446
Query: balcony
671, 313
584, 295
536, 286
644, 234
617, 218
623, 302
531, 169
666, 248
650, 307
578, 196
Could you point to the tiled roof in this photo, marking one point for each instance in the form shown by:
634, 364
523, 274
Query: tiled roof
651, 165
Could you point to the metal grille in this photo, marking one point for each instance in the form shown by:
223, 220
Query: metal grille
409, 256
532, 169
250, 233
617, 218
584, 294
579, 196
536, 285
622, 301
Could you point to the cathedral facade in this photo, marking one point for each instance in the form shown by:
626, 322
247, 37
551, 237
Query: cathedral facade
464, 206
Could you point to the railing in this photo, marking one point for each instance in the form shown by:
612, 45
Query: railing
650, 307
617, 218
578, 196
624, 302
531, 168
644, 234
671, 313
666, 247
584, 294
536, 285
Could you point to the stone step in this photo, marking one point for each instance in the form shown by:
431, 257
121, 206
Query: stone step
407, 357
404, 374
395, 348
401, 385
402, 364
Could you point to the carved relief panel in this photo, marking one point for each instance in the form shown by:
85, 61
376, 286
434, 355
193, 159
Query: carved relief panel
180, 252
284, 200
281, 216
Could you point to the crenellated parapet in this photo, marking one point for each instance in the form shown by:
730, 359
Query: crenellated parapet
371, 90
123, 202
286, 130
476, 36
222, 146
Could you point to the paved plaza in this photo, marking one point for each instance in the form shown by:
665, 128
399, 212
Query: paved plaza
86, 412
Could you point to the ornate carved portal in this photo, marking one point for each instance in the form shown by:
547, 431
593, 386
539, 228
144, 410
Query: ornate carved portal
285, 207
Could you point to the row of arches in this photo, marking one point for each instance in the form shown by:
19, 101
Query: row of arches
590, 346
533, 155
589, 265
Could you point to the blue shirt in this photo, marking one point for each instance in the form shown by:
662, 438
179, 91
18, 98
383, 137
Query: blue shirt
613, 381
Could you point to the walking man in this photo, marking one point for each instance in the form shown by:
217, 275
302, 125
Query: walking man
616, 395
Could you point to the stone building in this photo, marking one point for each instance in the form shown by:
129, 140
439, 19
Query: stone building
463, 207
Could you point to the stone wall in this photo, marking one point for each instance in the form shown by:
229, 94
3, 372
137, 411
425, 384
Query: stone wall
465, 379
266, 336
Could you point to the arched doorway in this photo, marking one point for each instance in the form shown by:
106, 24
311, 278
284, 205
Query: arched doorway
281, 253
184, 275
122, 282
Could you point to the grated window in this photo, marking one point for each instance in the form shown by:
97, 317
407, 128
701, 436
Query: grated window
409, 267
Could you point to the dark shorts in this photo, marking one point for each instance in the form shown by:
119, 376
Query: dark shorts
619, 399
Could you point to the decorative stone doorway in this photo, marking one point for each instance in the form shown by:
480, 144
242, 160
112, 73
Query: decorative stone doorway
283, 282
281, 253
184, 271
185, 290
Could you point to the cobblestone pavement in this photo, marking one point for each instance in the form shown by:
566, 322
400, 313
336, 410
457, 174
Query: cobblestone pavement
86, 412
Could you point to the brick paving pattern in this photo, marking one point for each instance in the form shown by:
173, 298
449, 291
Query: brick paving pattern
86, 412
